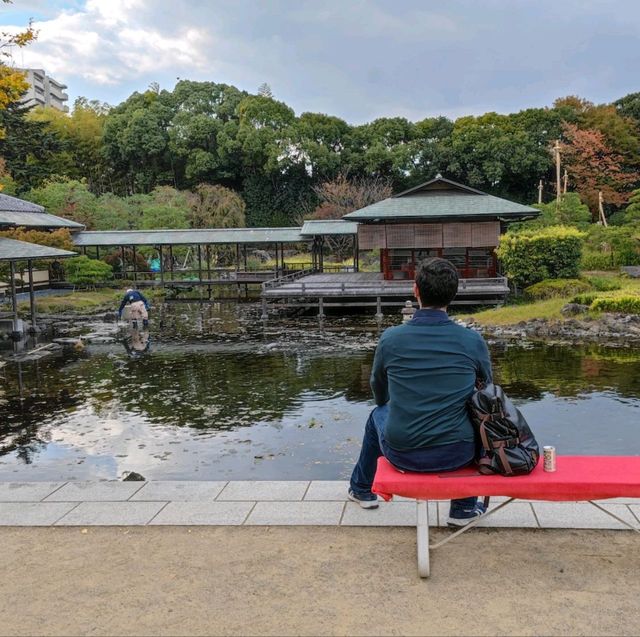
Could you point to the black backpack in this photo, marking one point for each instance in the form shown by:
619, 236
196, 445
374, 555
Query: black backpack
504, 440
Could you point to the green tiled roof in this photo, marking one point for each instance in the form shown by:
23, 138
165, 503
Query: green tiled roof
315, 228
13, 204
442, 206
12, 250
18, 219
188, 237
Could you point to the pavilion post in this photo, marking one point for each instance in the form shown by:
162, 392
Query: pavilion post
321, 254
208, 251
171, 260
161, 264
32, 300
237, 257
135, 265
123, 256
244, 250
282, 256
14, 300
356, 254
200, 263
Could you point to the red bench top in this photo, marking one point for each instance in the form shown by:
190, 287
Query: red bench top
576, 478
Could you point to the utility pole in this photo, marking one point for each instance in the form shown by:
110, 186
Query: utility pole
603, 219
556, 149
540, 192
565, 181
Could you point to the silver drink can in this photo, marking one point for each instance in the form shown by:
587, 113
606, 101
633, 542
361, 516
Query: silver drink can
549, 462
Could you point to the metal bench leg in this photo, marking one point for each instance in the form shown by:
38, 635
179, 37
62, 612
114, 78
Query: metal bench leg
422, 529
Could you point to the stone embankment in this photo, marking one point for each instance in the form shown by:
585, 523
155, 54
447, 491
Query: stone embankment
614, 330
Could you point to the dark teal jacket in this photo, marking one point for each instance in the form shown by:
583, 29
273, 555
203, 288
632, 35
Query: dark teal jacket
426, 370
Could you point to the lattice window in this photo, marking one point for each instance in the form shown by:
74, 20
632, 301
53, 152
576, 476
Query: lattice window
428, 235
456, 235
400, 235
371, 237
485, 234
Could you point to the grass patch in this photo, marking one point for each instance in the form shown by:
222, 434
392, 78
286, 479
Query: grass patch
83, 301
520, 310
510, 314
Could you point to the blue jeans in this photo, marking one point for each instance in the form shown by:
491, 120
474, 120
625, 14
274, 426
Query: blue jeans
428, 460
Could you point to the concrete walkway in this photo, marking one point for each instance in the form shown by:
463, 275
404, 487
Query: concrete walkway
270, 503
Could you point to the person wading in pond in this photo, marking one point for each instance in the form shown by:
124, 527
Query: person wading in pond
136, 305
424, 372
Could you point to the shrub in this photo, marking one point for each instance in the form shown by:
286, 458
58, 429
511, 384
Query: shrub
603, 284
553, 288
592, 260
624, 304
615, 246
534, 255
586, 298
85, 271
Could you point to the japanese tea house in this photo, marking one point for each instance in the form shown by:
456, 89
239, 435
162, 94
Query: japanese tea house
438, 218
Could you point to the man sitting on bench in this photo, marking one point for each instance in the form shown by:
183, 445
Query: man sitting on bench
424, 371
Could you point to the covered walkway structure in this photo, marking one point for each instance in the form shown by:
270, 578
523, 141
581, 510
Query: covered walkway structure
199, 267
13, 252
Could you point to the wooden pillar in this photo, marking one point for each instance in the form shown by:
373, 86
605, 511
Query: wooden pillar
321, 255
277, 260
135, 265
171, 260
244, 251
161, 264
237, 257
14, 300
356, 254
199, 263
97, 252
282, 256
123, 256
32, 300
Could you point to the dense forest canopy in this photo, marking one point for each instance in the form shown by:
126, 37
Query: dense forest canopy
114, 166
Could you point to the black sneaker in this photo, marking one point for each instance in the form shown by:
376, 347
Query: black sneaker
462, 517
369, 501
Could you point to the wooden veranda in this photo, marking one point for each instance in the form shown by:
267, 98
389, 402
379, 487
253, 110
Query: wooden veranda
366, 289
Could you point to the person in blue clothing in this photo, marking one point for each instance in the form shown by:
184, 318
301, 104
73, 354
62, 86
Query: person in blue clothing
424, 371
137, 302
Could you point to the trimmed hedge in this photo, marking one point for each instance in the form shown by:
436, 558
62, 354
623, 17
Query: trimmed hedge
85, 271
622, 304
535, 255
554, 288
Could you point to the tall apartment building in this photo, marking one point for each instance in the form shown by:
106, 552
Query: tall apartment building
44, 91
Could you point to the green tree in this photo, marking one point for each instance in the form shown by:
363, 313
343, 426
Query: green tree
27, 147
570, 212
67, 198
136, 141
504, 154
165, 208
216, 207
632, 212
80, 135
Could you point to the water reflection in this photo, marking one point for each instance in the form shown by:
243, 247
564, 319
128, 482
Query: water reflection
236, 400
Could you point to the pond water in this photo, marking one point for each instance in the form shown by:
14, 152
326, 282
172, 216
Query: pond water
217, 395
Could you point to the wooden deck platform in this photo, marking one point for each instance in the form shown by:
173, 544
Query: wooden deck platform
361, 289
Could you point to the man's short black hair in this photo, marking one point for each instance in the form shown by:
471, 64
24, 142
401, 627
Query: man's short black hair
437, 281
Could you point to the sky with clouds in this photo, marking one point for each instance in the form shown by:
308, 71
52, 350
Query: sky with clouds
358, 59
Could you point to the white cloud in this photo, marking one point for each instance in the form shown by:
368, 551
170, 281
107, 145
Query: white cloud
106, 44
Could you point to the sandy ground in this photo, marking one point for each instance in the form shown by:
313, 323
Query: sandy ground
316, 581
